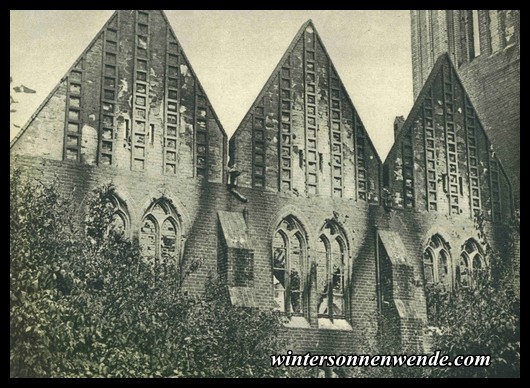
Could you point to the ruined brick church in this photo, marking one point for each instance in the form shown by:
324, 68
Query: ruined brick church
296, 211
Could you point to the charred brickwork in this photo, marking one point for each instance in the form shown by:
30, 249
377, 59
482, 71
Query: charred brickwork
311, 173
484, 45
311, 222
132, 112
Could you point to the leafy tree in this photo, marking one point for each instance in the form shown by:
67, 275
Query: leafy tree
85, 302
483, 319
40, 238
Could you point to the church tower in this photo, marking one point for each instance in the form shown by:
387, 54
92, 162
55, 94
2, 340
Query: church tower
484, 46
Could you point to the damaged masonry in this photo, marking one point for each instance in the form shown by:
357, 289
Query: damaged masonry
296, 211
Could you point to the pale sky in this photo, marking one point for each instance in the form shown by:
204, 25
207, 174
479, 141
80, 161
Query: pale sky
233, 53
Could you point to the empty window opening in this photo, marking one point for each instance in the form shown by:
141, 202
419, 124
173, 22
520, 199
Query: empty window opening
437, 263
127, 138
301, 158
330, 272
445, 178
386, 176
127, 129
289, 267
476, 34
152, 133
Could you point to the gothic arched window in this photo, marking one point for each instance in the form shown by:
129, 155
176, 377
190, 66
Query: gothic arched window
470, 265
331, 267
120, 222
289, 252
437, 268
160, 232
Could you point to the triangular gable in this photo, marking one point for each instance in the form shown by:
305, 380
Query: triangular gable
174, 36
304, 117
275, 72
133, 85
460, 173
76, 64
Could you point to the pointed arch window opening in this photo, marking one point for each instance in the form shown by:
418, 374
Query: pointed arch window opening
437, 264
159, 233
471, 264
289, 267
120, 222
331, 269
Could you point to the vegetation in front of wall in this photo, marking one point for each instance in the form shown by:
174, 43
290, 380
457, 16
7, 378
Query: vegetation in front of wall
84, 302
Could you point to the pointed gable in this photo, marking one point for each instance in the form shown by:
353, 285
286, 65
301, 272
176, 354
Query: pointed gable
131, 100
303, 135
442, 160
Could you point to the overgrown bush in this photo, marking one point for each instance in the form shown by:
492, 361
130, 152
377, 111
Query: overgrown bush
483, 319
84, 302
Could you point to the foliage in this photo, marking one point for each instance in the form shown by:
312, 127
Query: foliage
40, 237
483, 319
85, 302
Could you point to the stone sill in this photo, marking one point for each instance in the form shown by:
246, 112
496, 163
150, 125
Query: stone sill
337, 324
297, 322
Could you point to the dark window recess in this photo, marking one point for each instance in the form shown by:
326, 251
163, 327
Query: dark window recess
461, 185
201, 172
152, 133
108, 95
143, 17
476, 33
127, 132
110, 70
320, 161
112, 35
467, 22
301, 158
445, 178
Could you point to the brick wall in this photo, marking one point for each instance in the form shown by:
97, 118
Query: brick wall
416, 227
303, 134
196, 202
442, 160
266, 211
492, 78
131, 101
493, 84
277, 120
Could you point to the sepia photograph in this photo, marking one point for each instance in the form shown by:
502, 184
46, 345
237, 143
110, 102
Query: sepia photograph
264, 193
